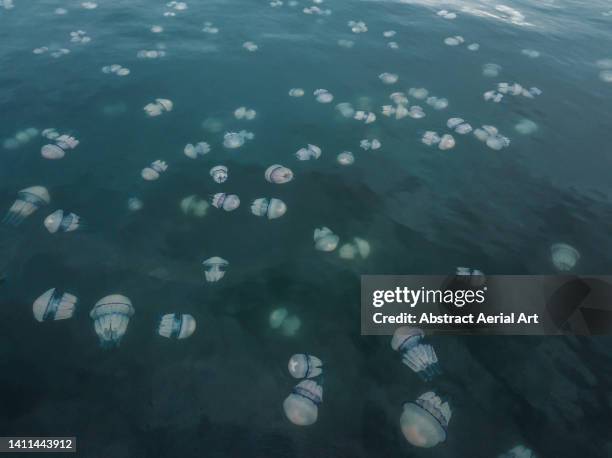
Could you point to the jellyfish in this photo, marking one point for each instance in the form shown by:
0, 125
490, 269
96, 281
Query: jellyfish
519, 451
199, 149
58, 221
277, 317
416, 112
424, 422
290, 325
310, 152
52, 152
233, 140
438, 103
459, 125
419, 93
346, 109
28, 201
531, 53
219, 173
405, 338
250, 46
176, 326
454, 41
214, 268
245, 113
302, 405
358, 26
278, 174
228, 202
393, 45
366, 116
111, 316
209, 28
491, 70
526, 127
370, 144
345, 158
325, 239
157, 29
134, 204
430, 138
302, 365
272, 208
323, 96
564, 256
388, 78
446, 142
194, 205
54, 305
358, 247
152, 172
491, 136
423, 360
296, 92
160, 105
473, 47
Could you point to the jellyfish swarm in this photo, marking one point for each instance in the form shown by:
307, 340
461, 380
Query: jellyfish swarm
28, 201
176, 326
325, 239
419, 357
424, 422
278, 174
111, 316
302, 365
272, 208
227, 202
302, 405
214, 268
564, 256
58, 221
54, 305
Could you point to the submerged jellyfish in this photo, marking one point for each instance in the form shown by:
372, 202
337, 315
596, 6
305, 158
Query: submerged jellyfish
58, 221
366, 116
423, 360
228, 202
302, 405
419, 93
459, 125
388, 78
345, 158
430, 138
296, 92
519, 451
454, 41
245, 113
346, 109
219, 173
28, 201
359, 247
159, 106
62, 144
233, 140
373, 144
134, 204
54, 305
250, 46
152, 172
325, 239
491, 136
214, 268
278, 174
277, 317
176, 326
404, 338
310, 152
564, 256
194, 205
531, 53
272, 208
491, 70
111, 316
424, 422
438, 103
323, 96
446, 142
199, 149
526, 127
302, 365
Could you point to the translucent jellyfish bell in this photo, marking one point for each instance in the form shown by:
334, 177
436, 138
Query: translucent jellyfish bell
302, 405
111, 316
446, 142
424, 422
345, 158
176, 326
388, 78
358, 247
564, 256
272, 208
290, 326
325, 239
228, 202
346, 109
194, 205
277, 317
310, 152
278, 174
323, 96
519, 451
219, 173
302, 365
423, 360
214, 268
405, 338
152, 172
54, 305
194, 151
28, 201
296, 92
58, 221
52, 152
233, 140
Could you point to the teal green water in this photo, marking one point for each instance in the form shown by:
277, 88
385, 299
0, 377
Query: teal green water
423, 210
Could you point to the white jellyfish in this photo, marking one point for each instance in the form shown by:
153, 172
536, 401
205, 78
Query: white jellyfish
491, 136
245, 113
526, 127
310, 152
358, 26
272, 208
296, 92
345, 109
250, 46
454, 41
228, 202
176, 326
373, 144
473, 47
152, 172
62, 144
194, 205
52, 152
430, 138
531, 53
214, 268
564, 256
404, 338
423, 360
345, 158
111, 316
54, 305
302, 405
28, 201
366, 116
277, 317
233, 140
323, 96
446, 142
291, 325
424, 422
278, 174
59, 221
302, 365
219, 173
519, 451
437, 103
419, 93
388, 78
134, 204
491, 70
358, 247
199, 149
160, 105
325, 239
